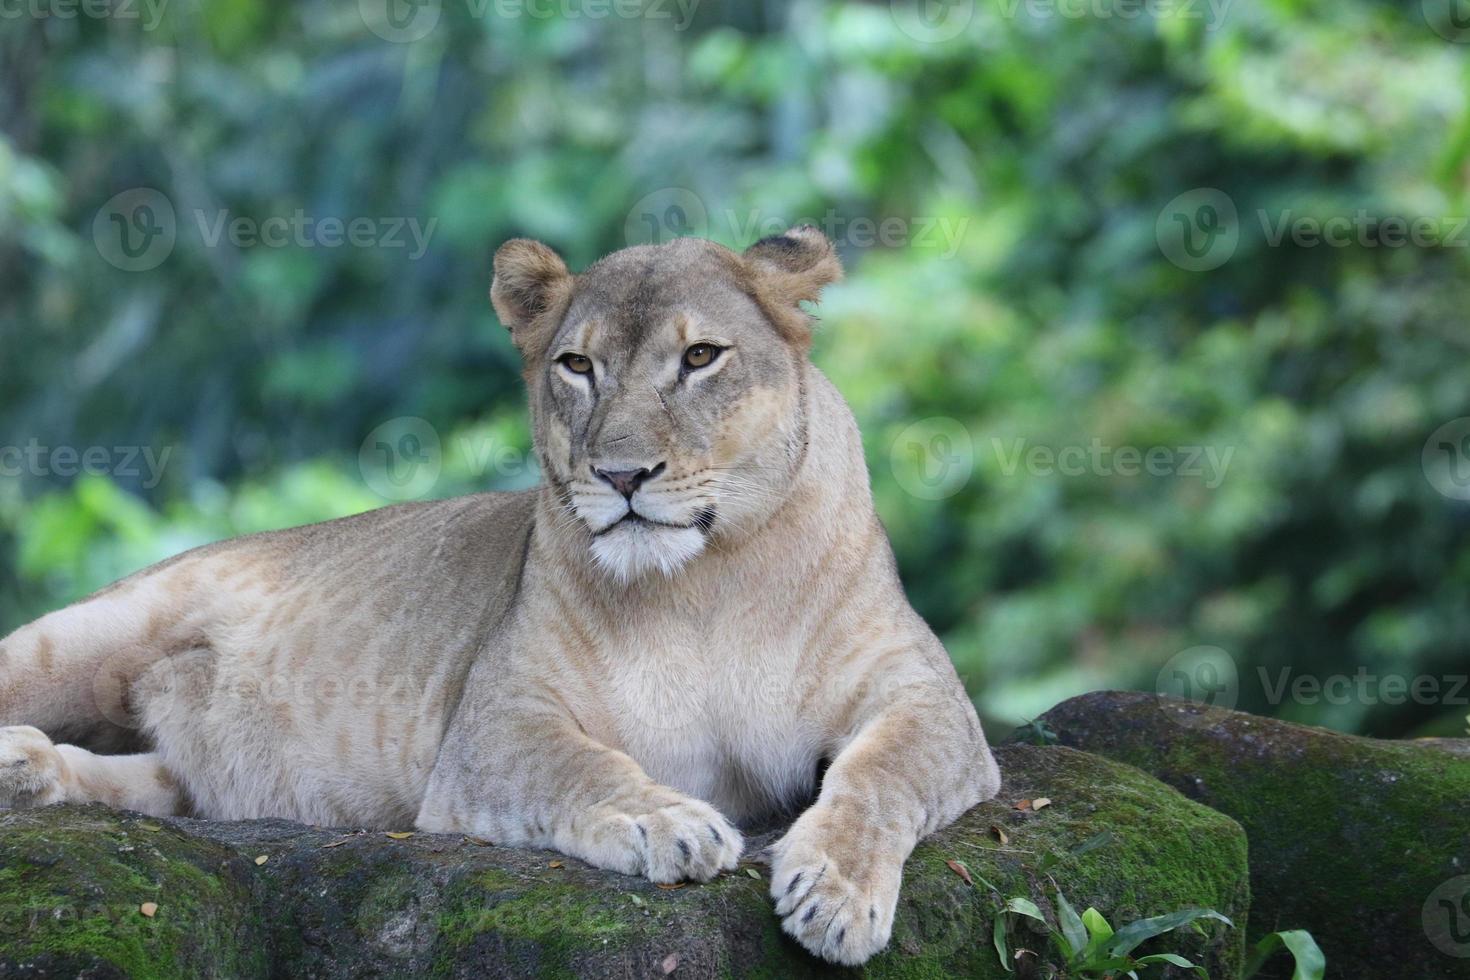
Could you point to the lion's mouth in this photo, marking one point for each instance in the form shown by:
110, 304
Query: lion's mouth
703, 521
637, 543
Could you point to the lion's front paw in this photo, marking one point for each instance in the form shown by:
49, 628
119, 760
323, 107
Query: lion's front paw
835, 888
682, 839
32, 772
687, 840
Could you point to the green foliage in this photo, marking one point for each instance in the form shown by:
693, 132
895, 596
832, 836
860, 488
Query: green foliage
1036, 733
1030, 162
1309, 963
1088, 948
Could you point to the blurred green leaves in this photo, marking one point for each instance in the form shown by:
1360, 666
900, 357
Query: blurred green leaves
1048, 318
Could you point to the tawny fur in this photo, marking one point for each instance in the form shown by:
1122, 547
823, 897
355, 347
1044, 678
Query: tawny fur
534, 669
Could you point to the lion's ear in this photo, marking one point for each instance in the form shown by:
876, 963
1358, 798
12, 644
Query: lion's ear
530, 279
795, 265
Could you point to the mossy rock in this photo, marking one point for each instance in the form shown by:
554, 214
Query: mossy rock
74, 881
342, 904
1364, 842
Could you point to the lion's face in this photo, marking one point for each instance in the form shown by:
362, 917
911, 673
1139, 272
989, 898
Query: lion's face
665, 387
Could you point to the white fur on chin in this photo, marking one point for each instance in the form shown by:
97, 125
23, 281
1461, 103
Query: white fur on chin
631, 550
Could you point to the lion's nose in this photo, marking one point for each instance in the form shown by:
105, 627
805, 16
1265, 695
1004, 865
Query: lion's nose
627, 482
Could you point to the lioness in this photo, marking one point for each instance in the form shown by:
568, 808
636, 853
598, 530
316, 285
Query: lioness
664, 641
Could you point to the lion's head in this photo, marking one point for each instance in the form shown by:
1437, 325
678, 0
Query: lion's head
666, 386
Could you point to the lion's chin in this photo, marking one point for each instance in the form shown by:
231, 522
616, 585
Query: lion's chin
633, 549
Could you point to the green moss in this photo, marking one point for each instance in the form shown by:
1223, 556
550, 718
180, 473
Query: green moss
545, 923
72, 897
562, 914
1348, 836
1161, 853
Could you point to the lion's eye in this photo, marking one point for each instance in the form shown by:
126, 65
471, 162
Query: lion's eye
701, 355
576, 363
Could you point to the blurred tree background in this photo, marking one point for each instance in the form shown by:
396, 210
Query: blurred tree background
1004, 178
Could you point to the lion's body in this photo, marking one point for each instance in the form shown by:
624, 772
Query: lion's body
306, 673
523, 667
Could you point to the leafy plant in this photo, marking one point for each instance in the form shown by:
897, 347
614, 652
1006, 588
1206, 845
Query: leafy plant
1088, 945
1089, 948
1037, 732
1310, 963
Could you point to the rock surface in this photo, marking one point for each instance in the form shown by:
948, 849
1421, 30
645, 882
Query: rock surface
341, 904
1364, 842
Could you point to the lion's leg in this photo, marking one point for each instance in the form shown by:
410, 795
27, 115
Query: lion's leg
550, 785
34, 772
68, 673
915, 759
